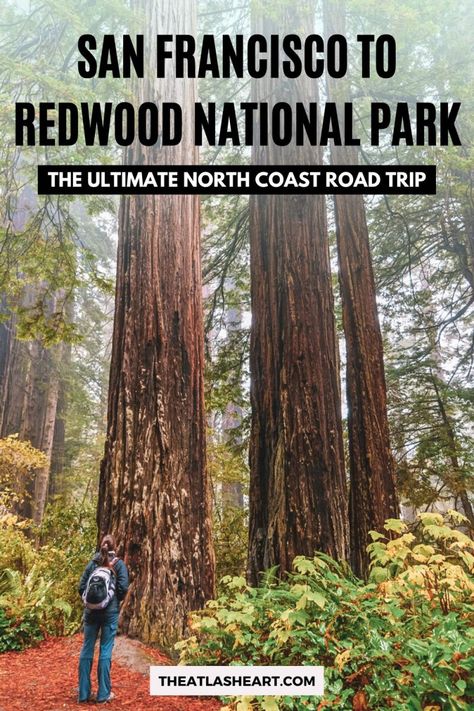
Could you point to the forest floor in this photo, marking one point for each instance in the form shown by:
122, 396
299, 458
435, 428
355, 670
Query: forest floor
44, 678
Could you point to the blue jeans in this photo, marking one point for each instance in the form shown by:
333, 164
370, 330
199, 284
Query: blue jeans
108, 629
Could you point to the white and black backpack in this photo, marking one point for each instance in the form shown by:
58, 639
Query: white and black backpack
100, 588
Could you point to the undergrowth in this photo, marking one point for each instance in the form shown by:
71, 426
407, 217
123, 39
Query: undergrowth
39, 574
404, 640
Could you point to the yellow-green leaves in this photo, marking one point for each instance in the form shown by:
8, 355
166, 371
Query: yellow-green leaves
404, 636
18, 461
435, 561
304, 565
396, 525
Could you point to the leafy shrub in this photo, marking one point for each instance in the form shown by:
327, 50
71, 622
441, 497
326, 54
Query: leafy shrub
15, 635
38, 582
402, 641
228, 468
68, 537
230, 541
16, 551
18, 461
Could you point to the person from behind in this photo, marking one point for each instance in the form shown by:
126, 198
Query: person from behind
103, 586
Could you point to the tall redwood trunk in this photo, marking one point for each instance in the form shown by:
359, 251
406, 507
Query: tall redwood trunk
154, 488
297, 484
372, 479
28, 403
6, 326
29, 384
40, 400
232, 491
56, 478
14, 369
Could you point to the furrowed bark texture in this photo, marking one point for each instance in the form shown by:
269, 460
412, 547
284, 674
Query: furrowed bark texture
154, 489
297, 484
372, 497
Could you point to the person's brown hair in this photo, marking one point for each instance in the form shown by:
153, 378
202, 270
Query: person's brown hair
107, 545
109, 541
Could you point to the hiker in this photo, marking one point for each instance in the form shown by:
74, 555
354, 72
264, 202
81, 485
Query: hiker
103, 585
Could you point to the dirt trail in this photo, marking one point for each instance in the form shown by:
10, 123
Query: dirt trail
136, 656
44, 678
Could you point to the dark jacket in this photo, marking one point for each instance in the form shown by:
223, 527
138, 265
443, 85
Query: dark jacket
121, 587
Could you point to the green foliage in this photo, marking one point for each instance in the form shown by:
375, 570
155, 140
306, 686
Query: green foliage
230, 541
403, 641
229, 473
15, 635
45, 250
435, 560
18, 461
38, 582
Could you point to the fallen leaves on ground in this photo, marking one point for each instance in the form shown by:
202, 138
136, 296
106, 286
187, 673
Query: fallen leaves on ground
359, 702
44, 678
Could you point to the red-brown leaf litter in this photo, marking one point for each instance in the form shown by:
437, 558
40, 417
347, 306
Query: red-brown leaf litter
44, 678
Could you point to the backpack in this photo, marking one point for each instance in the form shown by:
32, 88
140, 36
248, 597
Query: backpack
100, 588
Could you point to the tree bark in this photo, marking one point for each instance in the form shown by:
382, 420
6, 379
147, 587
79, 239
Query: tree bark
14, 358
297, 483
372, 497
38, 421
28, 403
232, 491
154, 489
5, 346
13, 384
29, 382
56, 479
58, 450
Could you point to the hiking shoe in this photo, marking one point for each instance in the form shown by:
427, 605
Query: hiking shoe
111, 697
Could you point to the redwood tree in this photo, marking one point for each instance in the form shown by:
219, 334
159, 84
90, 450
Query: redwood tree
13, 372
297, 484
372, 481
28, 405
38, 419
29, 384
154, 489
